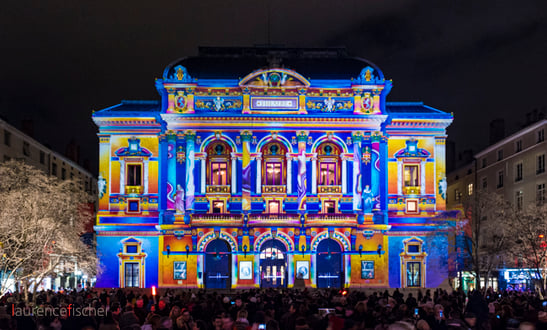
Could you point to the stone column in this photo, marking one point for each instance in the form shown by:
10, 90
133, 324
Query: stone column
190, 158
314, 175
440, 175
258, 175
302, 137
105, 177
289, 173
171, 169
246, 171
203, 174
234, 173
344, 175
357, 176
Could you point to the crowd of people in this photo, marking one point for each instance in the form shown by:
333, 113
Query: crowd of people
287, 309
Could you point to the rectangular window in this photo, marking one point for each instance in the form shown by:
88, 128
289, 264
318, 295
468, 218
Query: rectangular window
330, 207
519, 199
134, 175
412, 176
413, 248
413, 274
518, 172
483, 162
500, 154
500, 179
54, 169
7, 138
133, 206
457, 195
540, 164
541, 135
518, 146
470, 189
131, 278
540, 194
26, 148
42, 157
130, 249
273, 174
219, 173
327, 174
63, 173
484, 183
218, 207
273, 207
412, 206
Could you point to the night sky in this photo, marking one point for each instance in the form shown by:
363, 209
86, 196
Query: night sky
480, 60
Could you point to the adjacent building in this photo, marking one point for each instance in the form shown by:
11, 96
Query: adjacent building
513, 167
15, 144
261, 167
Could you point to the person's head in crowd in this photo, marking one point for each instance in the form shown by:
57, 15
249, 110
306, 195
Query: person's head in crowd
174, 313
272, 325
527, 326
422, 325
161, 304
400, 326
217, 322
238, 302
166, 322
200, 325
470, 318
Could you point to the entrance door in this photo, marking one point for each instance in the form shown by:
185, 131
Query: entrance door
329, 264
273, 265
218, 262
131, 278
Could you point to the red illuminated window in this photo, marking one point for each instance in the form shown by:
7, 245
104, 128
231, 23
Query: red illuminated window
273, 174
219, 173
327, 174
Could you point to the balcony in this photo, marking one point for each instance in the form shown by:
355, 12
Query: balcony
272, 218
133, 190
327, 217
218, 189
412, 190
329, 189
274, 189
217, 218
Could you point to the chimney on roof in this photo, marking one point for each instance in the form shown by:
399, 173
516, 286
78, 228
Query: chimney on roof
497, 130
72, 151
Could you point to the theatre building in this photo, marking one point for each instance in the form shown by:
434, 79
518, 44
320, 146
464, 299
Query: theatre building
260, 167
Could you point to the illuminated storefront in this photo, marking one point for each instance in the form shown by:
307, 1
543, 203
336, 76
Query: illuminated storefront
301, 172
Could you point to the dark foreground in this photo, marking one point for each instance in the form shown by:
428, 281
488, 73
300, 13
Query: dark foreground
288, 309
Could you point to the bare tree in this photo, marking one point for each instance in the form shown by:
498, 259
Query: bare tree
41, 222
529, 232
488, 239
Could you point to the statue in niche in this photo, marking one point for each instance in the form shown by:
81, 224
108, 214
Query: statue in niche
179, 200
368, 198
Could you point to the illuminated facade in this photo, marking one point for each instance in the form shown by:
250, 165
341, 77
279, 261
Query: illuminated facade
294, 175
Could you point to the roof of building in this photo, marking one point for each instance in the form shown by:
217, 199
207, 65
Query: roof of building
237, 62
408, 109
128, 107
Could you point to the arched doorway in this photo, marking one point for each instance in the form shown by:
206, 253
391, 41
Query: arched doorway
329, 264
218, 262
273, 264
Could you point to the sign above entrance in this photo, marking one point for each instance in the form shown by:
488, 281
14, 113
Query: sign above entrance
274, 103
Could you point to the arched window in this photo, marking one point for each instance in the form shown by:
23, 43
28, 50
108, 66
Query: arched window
328, 155
218, 164
274, 168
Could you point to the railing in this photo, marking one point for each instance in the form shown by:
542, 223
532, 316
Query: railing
274, 189
274, 217
218, 189
133, 190
329, 189
331, 217
228, 217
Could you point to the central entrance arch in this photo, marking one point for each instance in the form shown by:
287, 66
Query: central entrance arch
329, 264
273, 264
218, 264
